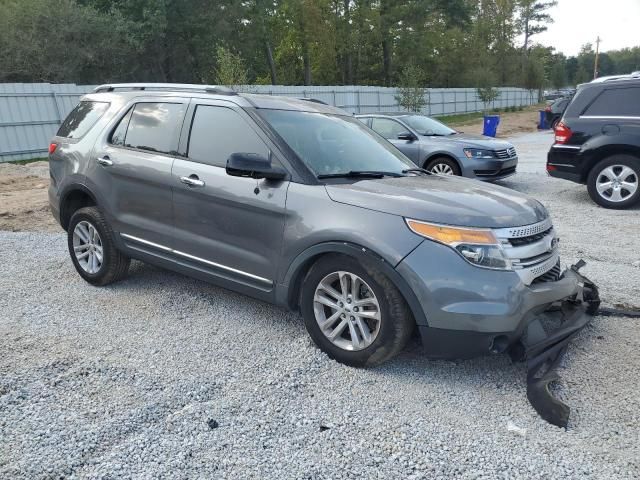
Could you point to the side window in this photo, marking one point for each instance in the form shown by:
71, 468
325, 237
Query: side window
81, 119
154, 127
389, 129
217, 132
117, 137
618, 102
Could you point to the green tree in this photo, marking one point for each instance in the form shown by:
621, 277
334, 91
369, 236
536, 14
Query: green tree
533, 18
231, 70
559, 74
411, 94
534, 76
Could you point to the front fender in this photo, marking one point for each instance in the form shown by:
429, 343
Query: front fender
287, 292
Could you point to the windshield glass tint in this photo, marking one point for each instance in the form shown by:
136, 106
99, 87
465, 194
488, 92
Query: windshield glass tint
335, 144
427, 126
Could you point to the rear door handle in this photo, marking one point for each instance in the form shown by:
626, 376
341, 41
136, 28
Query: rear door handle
105, 161
192, 181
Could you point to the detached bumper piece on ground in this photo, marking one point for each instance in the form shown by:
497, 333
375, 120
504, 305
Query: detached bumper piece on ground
543, 351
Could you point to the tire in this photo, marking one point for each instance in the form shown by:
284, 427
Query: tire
443, 163
388, 335
114, 264
623, 172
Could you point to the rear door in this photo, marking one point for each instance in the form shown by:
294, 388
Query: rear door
132, 169
230, 227
390, 129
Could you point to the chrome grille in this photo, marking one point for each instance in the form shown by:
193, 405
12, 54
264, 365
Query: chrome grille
521, 241
506, 153
524, 231
532, 249
552, 275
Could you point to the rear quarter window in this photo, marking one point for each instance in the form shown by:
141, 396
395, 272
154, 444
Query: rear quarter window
154, 127
616, 102
82, 119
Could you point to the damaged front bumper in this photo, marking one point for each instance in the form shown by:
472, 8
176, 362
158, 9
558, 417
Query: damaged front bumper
542, 347
545, 318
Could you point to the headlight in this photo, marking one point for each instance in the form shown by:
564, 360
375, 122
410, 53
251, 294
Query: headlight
478, 153
478, 246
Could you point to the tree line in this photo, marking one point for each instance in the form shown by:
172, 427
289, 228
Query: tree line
439, 43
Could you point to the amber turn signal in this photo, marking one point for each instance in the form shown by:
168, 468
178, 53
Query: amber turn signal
452, 235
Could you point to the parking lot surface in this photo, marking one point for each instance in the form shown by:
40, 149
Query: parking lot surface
162, 376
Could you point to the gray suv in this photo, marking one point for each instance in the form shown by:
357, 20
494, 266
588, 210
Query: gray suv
302, 205
439, 149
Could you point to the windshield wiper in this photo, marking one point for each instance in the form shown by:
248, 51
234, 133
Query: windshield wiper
360, 173
417, 170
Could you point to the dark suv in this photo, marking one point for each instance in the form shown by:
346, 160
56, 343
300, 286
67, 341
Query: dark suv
553, 113
597, 142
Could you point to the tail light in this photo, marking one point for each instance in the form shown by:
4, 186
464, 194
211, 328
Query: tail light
562, 133
548, 109
52, 147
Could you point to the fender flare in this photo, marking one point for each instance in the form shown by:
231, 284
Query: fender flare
445, 154
599, 148
68, 190
287, 291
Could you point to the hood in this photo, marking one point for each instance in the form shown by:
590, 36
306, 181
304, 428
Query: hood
442, 199
471, 140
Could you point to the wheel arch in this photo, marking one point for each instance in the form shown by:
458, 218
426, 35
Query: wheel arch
447, 155
289, 290
604, 151
75, 196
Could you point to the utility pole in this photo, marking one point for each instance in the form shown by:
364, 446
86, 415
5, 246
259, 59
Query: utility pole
595, 65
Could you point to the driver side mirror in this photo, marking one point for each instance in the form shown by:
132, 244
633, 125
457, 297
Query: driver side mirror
406, 136
253, 165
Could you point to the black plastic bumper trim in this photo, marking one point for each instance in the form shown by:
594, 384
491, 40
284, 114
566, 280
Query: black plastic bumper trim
543, 354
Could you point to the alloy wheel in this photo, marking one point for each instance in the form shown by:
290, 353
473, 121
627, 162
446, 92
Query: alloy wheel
441, 169
87, 247
347, 311
616, 183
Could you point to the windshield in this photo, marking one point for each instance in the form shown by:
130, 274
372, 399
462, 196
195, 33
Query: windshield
427, 126
331, 144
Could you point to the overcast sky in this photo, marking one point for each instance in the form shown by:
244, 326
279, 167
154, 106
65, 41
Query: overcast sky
580, 21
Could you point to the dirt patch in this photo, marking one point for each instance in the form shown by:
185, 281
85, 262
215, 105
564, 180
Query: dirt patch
24, 205
510, 123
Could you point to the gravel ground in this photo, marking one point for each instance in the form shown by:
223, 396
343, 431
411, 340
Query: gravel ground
162, 376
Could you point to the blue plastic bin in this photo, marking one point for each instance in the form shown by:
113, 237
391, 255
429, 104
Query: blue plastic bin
491, 125
542, 124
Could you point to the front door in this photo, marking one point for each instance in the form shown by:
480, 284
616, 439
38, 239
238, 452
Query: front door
390, 129
229, 226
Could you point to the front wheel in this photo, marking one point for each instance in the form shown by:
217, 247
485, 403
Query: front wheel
354, 313
614, 182
442, 166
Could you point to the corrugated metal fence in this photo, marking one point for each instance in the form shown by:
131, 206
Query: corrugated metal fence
30, 113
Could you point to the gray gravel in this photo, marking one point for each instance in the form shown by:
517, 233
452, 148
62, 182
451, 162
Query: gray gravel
162, 376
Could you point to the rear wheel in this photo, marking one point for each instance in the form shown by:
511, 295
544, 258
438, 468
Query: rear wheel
92, 249
443, 166
354, 313
614, 182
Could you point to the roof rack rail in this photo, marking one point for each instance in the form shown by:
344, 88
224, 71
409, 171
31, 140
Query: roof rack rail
314, 100
169, 87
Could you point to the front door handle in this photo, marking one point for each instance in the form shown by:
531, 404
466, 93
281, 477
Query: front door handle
105, 161
192, 181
